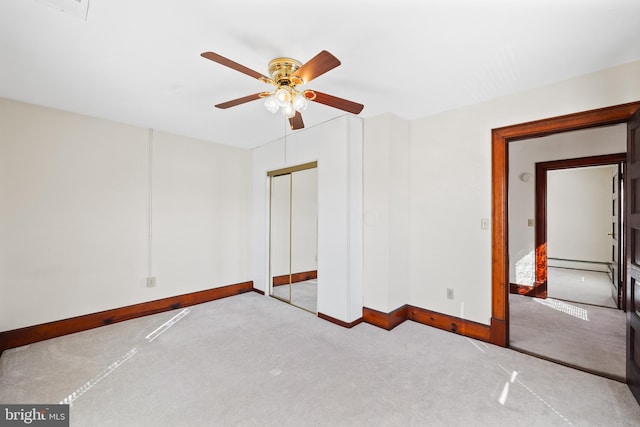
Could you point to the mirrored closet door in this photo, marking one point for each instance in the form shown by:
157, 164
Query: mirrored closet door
294, 235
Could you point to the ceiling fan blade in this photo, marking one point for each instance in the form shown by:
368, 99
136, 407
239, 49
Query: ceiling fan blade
316, 66
239, 101
335, 102
235, 66
296, 121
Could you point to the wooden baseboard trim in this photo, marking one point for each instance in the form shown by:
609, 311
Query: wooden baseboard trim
31, 334
450, 323
383, 320
528, 291
339, 322
258, 291
499, 333
514, 288
295, 277
453, 324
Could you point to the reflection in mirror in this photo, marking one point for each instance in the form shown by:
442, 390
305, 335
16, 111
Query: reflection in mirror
294, 236
304, 239
280, 237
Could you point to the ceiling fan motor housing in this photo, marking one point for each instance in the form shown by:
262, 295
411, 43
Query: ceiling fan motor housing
281, 70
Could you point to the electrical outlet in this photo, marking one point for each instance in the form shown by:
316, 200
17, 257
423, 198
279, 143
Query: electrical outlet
449, 293
530, 222
151, 282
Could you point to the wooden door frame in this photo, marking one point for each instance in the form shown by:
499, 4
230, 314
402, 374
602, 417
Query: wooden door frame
500, 139
542, 168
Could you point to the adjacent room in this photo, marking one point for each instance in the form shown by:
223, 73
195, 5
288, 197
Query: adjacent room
581, 322
250, 213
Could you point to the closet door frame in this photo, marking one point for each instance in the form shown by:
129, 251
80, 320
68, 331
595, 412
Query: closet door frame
273, 174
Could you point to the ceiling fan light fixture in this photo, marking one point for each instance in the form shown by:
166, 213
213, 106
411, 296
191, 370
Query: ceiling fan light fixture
309, 94
299, 102
271, 104
289, 111
283, 97
286, 75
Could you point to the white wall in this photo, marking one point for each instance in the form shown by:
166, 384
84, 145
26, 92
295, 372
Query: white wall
337, 147
74, 206
450, 181
201, 209
386, 213
523, 155
579, 210
74, 215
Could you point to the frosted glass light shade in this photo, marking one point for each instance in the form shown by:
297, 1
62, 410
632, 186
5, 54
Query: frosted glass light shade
289, 111
300, 103
271, 104
283, 97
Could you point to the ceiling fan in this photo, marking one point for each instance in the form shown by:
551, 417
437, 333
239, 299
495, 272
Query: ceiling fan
286, 75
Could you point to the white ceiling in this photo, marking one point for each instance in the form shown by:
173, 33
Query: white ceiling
138, 61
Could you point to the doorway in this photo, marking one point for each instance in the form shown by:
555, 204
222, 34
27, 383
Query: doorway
501, 138
578, 207
583, 223
581, 228
567, 313
293, 235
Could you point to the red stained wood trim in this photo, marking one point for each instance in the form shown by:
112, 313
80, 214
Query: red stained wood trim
386, 321
32, 334
582, 120
499, 227
295, 277
540, 233
529, 291
542, 168
339, 322
258, 291
526, 290
500, 139
457, 325
499, 331
581, 162
450, 323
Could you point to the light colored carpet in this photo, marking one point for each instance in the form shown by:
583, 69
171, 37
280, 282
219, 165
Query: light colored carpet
303, 294
250, 360
587, 287
580, 335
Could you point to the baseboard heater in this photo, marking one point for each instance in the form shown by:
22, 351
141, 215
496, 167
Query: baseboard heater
579, 264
